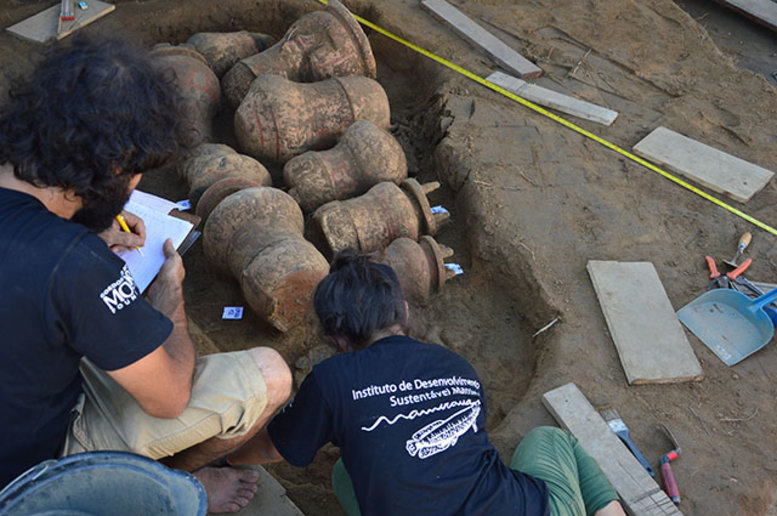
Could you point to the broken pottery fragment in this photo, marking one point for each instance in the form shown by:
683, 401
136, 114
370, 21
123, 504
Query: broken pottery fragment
255, 235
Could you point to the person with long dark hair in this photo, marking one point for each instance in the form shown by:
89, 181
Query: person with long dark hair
88, 363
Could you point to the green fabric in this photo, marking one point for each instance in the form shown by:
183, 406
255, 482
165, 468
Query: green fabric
343, 487
577, 485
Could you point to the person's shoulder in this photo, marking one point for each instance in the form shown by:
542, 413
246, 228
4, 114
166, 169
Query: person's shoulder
433, 353
331, 364
42, 238
29, 214
88, 248
88, 256
414, 345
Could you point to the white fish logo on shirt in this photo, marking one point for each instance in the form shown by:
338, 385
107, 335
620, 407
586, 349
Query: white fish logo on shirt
440, 435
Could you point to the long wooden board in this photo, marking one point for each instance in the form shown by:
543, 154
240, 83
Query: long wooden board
762, 11
42, 27
270, 499
651, 344
481, 38
554, 99
639, 493
706, 165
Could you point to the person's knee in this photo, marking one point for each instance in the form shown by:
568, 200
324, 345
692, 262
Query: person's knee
550, 431
276, 374
547, 438
547, 433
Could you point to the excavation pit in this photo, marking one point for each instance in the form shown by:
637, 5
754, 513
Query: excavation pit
474, 315
531, 202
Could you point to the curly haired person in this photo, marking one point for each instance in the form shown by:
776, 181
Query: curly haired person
88, 363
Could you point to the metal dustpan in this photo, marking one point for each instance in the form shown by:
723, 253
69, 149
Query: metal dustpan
729, 323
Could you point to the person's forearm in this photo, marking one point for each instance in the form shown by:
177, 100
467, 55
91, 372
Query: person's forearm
180, 347
257, 451
166, 295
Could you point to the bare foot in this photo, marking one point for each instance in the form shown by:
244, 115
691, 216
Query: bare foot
228, 489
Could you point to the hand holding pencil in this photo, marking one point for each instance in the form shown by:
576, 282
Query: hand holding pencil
127, 232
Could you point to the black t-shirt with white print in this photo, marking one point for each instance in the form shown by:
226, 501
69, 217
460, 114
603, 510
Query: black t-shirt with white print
63, 295
409, 419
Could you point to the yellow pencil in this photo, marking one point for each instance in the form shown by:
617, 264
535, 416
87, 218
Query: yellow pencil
125, 227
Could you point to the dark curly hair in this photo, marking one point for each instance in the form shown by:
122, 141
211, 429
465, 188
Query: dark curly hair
358, 298
91, 112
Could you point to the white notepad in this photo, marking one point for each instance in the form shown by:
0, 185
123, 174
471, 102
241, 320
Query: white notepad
159, 227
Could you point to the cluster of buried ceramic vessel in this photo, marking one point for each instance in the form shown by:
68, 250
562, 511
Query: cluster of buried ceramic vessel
309, 102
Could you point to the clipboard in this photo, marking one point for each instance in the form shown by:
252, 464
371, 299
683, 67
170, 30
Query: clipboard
163, 220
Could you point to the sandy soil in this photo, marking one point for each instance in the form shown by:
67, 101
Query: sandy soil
532, 202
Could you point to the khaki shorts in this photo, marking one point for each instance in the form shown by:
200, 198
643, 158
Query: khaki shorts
228, 397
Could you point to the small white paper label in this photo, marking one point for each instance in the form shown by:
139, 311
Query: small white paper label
455, 267
232, 312
439, 209
184, 205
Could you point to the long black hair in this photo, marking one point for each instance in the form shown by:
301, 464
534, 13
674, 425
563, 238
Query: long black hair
358, 298
91, 112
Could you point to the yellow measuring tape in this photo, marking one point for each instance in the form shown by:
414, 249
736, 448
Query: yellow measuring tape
562, 121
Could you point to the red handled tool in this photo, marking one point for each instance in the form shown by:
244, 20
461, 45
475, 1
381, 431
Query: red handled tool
670, 485
732, 276
717, 280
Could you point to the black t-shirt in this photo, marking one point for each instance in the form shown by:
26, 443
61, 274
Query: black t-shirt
409, 419
63, 295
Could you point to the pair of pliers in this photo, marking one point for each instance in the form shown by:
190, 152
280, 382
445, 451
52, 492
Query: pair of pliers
717, 280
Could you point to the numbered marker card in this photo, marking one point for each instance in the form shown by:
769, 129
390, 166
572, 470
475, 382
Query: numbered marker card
232, 312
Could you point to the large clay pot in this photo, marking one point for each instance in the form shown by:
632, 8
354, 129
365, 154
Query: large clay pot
212, 162
320, 45
223, 49
280, 119
256, 235
195, 82
365, 156
219, 191
420, 266
372, 221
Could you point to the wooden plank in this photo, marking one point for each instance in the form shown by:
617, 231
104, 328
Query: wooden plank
762, 11
42, 27
652, 346
481, 38
270, 499
553, 99
639, 493
718, 171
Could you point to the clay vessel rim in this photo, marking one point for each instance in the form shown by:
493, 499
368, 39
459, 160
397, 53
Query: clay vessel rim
362, 42
414, 188
438, 259
184, 49
219, 185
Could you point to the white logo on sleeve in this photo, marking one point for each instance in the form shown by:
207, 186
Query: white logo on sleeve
121, 292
